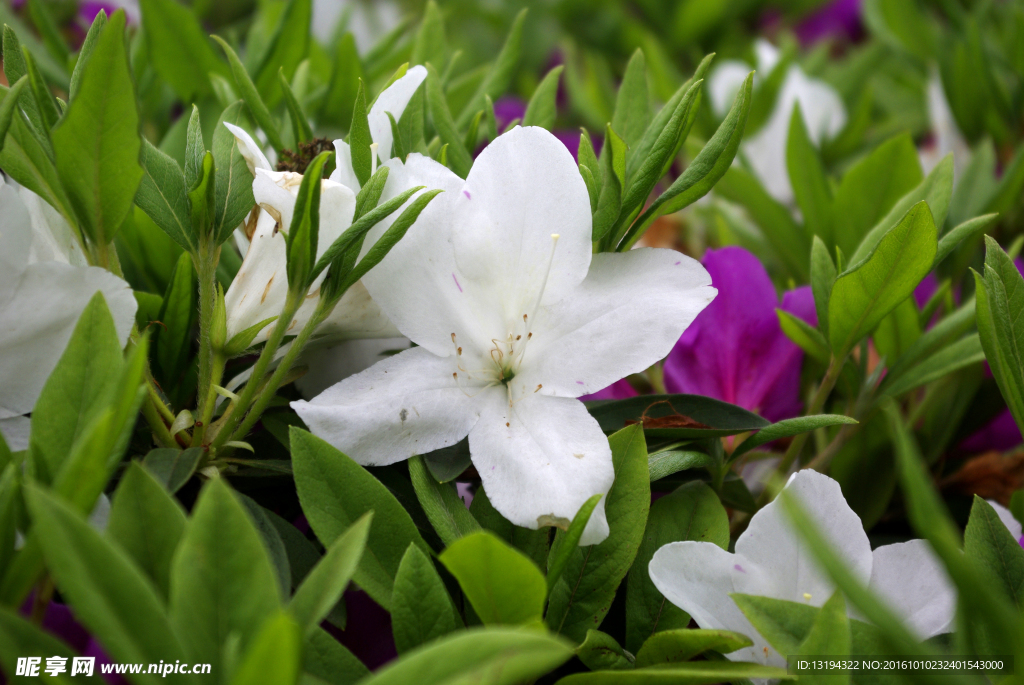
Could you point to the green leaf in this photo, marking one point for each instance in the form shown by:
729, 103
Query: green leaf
870, 189
680, 645
532, 543
503, 584
178, 48
111, 597
600, 651
421, 609
173, 340
251, 96
430, 44
359, 138
869, 290
661, 154
9, 106
632, 105
195, 150
448, 463
565, 546
14, 69
935, 189
345, 77
991, 547
442, 505
541, 110
583, 594
668, 462
499, 76
1000, 294
696, 673
305, 227
101, 178
147, 523
275, 656
788, 428
45, 103
202, 200
830, 636
322, 588
807, 337
933, 340
79, 385
691, 512
963, 352
961, 232
20, 637
613, 175
233, 188
172, 468
163, 195
329, 660
88, 45
823, 277
718, 418
807, 175
704, 171
334, 492
496, 656
222, 582
447, 131
300, 123
288, 46
48, 31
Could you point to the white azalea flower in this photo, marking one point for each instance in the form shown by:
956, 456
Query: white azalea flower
367, 20
514, 318
260, 288
765, 151
771, 560
948, 137
44, 286
393, 99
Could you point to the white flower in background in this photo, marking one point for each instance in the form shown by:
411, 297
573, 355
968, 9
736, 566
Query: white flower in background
260, 287
947, 136
772, 561
44, 286
514, 318
765, 151
367, 20
393, 99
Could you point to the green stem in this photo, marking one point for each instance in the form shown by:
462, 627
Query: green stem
206, 270
161, 433
796, 446
235, 412
204, 419
269, 389
154, 396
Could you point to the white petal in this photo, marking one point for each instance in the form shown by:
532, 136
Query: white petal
52, 238
914, 584
38, 319
723, 84
542, 459
405, 405
343, 172
356, 316
418, 284
16, 430
15, 239
767, 55
787, 566
251, 152
334, 363
523, 188
100, 513
626, 315
394, 99
698, 577
1008, 519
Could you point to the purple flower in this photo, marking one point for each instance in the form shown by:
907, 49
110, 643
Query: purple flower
619, 390
735, 350
840, 18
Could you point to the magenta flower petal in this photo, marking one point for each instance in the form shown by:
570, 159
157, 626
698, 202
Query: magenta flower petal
619, 390
735, 350
840, 18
